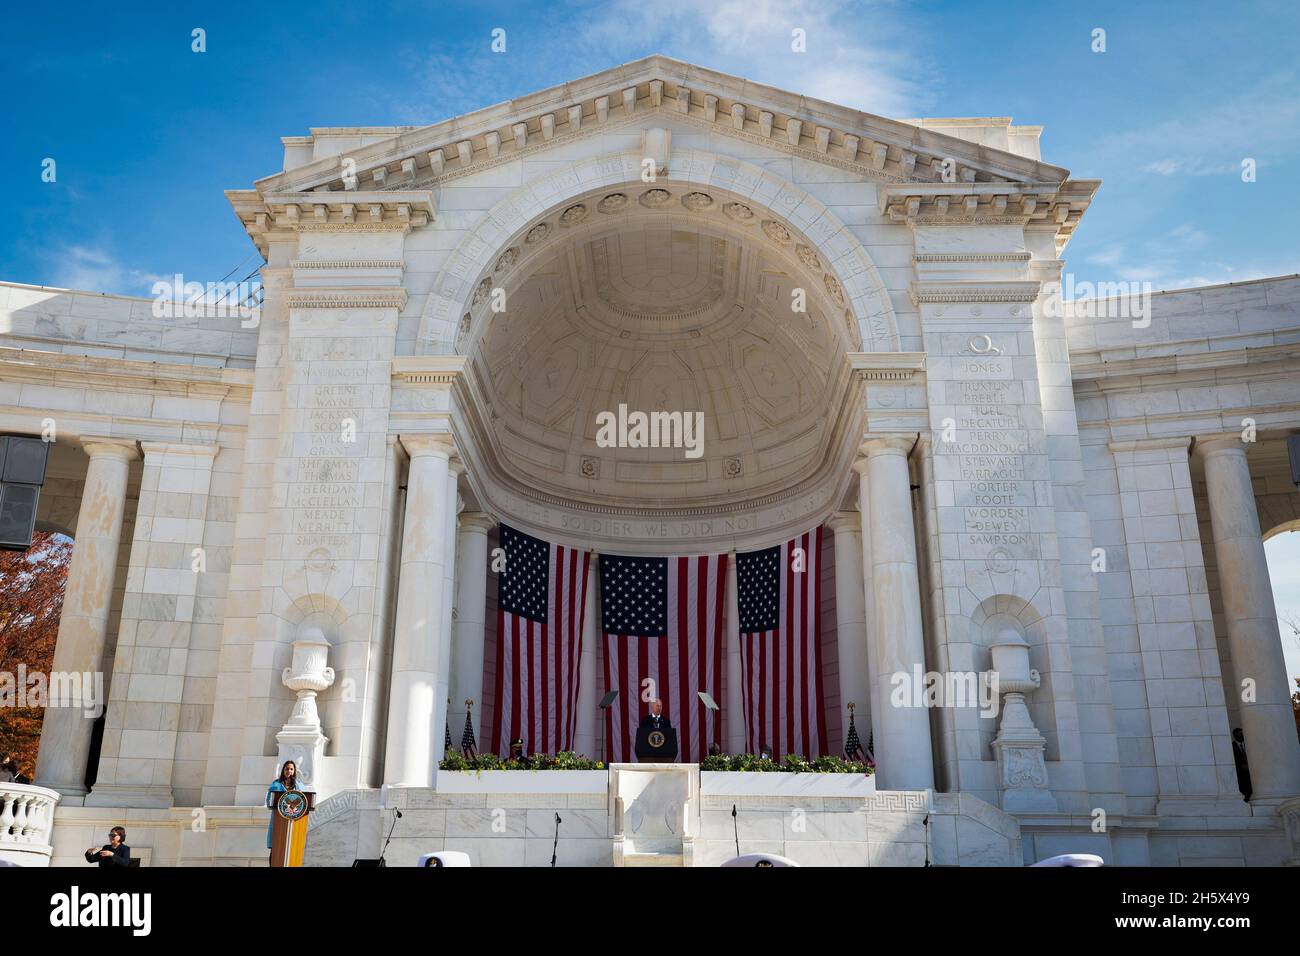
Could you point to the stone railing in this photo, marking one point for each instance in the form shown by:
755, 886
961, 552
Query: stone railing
26, 823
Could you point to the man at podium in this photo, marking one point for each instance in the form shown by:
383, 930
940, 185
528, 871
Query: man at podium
656, 741
655, 720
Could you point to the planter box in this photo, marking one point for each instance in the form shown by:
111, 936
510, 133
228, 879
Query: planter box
522, 781
742, 784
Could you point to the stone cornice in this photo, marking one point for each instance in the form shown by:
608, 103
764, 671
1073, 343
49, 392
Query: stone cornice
420, 370
1130, 445
923, 293
1119, 369
363, 298
1055, 206
108, 374
973, 257
355, 211
179, 448
887, 366
891, 148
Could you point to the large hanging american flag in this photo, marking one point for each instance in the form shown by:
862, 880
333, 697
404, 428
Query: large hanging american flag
663, 620
779, 592
541, 596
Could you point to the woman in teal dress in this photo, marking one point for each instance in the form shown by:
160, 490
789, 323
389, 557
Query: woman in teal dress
288, 780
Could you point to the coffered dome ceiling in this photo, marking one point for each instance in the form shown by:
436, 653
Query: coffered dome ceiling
643, 301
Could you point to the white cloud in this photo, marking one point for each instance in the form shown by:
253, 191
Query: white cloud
858, 54
1260, 123
92, 269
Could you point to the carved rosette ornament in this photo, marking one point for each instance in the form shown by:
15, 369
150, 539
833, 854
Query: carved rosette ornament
739, 212
508, 259
808, 258
573, 215
834, 290
654, 198
697, 201
614, 202
537, 233
775, 231
1019, 747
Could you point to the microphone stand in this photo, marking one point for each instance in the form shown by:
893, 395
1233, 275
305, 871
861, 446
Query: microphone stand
390, 836
735, 826
555, 848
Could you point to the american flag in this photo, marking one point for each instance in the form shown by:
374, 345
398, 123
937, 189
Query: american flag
780, 636
663, 620
541, 596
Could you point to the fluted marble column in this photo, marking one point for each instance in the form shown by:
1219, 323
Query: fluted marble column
589, 685
851, 621
902, 734
1267, 721
83, 627
415, 701
468, 631
735, 714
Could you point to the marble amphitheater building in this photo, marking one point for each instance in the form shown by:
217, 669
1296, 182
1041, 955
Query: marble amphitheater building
284, 520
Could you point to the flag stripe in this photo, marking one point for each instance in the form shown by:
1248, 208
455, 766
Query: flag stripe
538, 659
781, 665
683, 658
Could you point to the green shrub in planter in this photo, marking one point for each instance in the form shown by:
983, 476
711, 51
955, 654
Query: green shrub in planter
565, 760
791, 763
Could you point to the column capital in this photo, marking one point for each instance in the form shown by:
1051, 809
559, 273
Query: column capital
876, 446
845, 522
438, 445
1207, 445
477, 521
125, 449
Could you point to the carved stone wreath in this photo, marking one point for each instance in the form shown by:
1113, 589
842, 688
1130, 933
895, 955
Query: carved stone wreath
614, 202
697, 201
775, 231
808, 257
654, 198
834, 289
508, 259
537, 233
573, 215
739, 212
481, 292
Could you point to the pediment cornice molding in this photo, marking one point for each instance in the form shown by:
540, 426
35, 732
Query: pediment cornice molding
879, 148
1056, 207
396, 211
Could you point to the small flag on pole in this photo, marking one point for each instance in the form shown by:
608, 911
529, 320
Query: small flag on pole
468, 746
446, 729
853, 745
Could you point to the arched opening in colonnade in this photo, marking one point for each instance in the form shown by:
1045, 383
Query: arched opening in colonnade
663, 369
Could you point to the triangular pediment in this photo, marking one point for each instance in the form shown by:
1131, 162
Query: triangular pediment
877, 148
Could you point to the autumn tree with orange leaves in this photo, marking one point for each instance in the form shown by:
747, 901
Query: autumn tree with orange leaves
31, 599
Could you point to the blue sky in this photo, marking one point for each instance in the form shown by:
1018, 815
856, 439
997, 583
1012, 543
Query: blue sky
146, 133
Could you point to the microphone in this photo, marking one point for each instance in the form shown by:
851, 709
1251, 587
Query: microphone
556, 846
735, 826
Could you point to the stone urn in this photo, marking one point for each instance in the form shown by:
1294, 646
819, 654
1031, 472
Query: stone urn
1019, 747
301, 739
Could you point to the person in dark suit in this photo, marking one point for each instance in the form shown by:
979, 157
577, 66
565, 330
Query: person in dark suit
112, 854
655, 720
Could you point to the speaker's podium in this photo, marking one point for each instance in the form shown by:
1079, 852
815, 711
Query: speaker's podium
289, 826
656, 746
